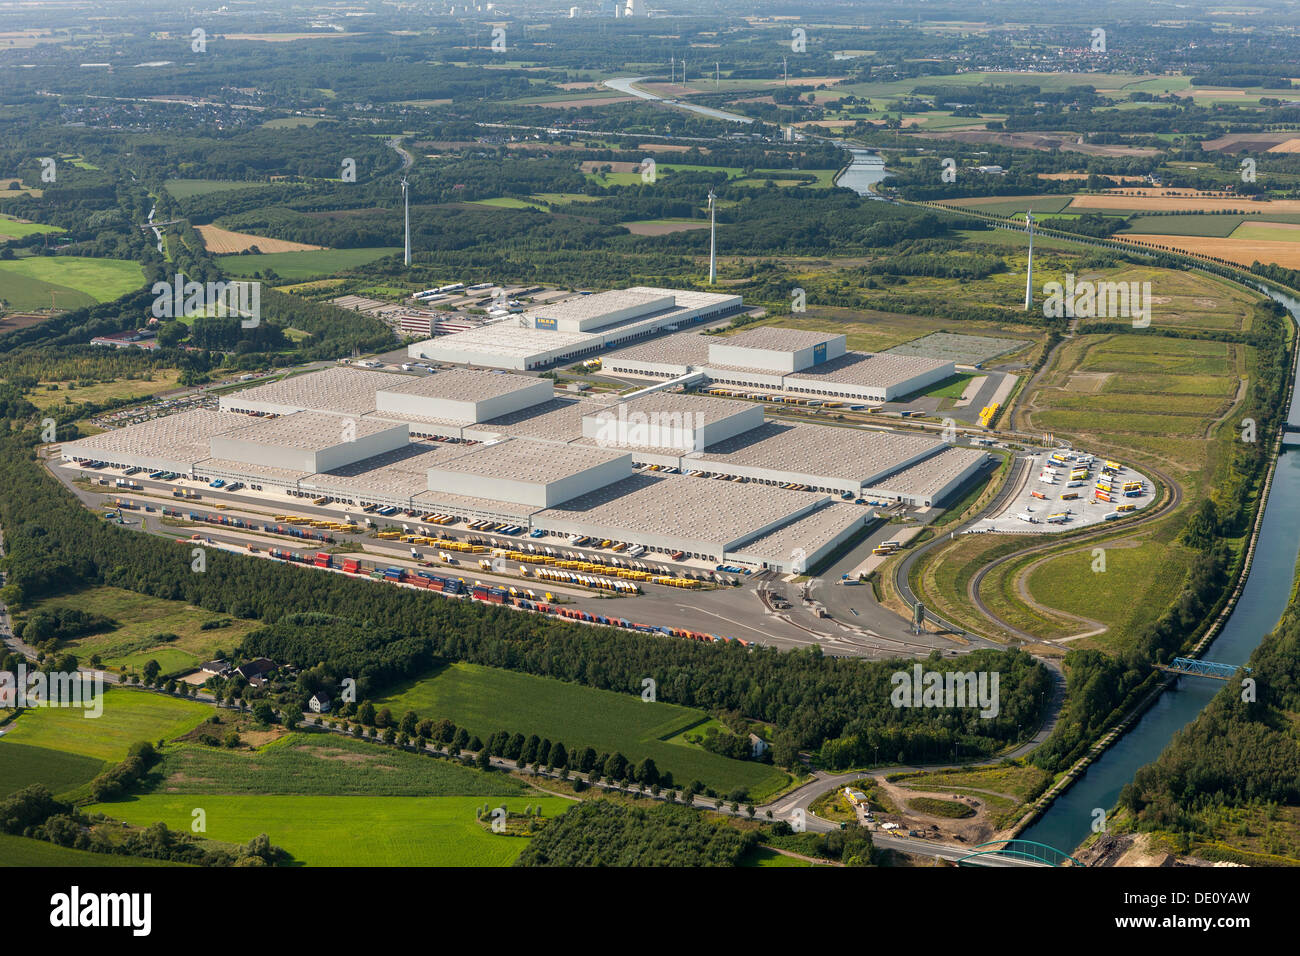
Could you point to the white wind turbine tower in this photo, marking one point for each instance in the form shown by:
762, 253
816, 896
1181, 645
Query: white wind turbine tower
1029, 273
713, 238
406, 203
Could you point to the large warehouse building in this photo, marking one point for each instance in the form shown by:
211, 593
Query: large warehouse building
509, 450
770, 358
576, 328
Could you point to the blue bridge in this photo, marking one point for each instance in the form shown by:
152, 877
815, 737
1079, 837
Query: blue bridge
1016, 853
1194, 668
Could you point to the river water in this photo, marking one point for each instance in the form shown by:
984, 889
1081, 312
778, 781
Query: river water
1068, 822
866, 169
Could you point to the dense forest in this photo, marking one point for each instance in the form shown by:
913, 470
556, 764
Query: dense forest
605, 833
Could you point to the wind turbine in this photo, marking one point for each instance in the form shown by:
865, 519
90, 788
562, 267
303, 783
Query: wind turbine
1029, 273
406, 203
713, 237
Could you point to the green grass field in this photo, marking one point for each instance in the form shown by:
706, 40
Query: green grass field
952, 387
76, 281
346, 831
129, 716
1015, 206
485, 700
763, 856
1207, 225
22, 765
1262, 231
13, 229
21, 851
1126, 597
141, 618
310, 264
507, 202
187, 188
324, 764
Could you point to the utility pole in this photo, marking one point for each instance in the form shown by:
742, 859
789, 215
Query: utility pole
1029, 272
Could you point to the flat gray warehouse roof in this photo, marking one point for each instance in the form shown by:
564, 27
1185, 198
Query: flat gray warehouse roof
867, 369
775, 338
180, 437
809, 533
933, 475
468, 385
269, 472
679, 348
559, 420
312, 431
673, 506
678, 403
341, 390
521, 459
599, 303
508, 339
853, 453
401, 473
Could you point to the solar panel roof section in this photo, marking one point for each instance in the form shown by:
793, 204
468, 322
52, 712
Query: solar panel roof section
817, 450
337, 391
180, 437
776, 338
310, 431
710, 514
462, 383
589, 313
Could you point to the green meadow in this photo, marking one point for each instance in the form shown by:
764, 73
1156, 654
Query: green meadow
485, 700
310, 264
128, 716
346, 831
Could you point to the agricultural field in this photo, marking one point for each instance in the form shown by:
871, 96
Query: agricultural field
345, 830
1183, 300
129, 716
140, 619
1100, 392
1018, 206
323, 764
188, 188
507, 202
304, 265
1243, 252
1209, 224
21, 851
22, 765
222, 242
13, 228
74, 281
485, 700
